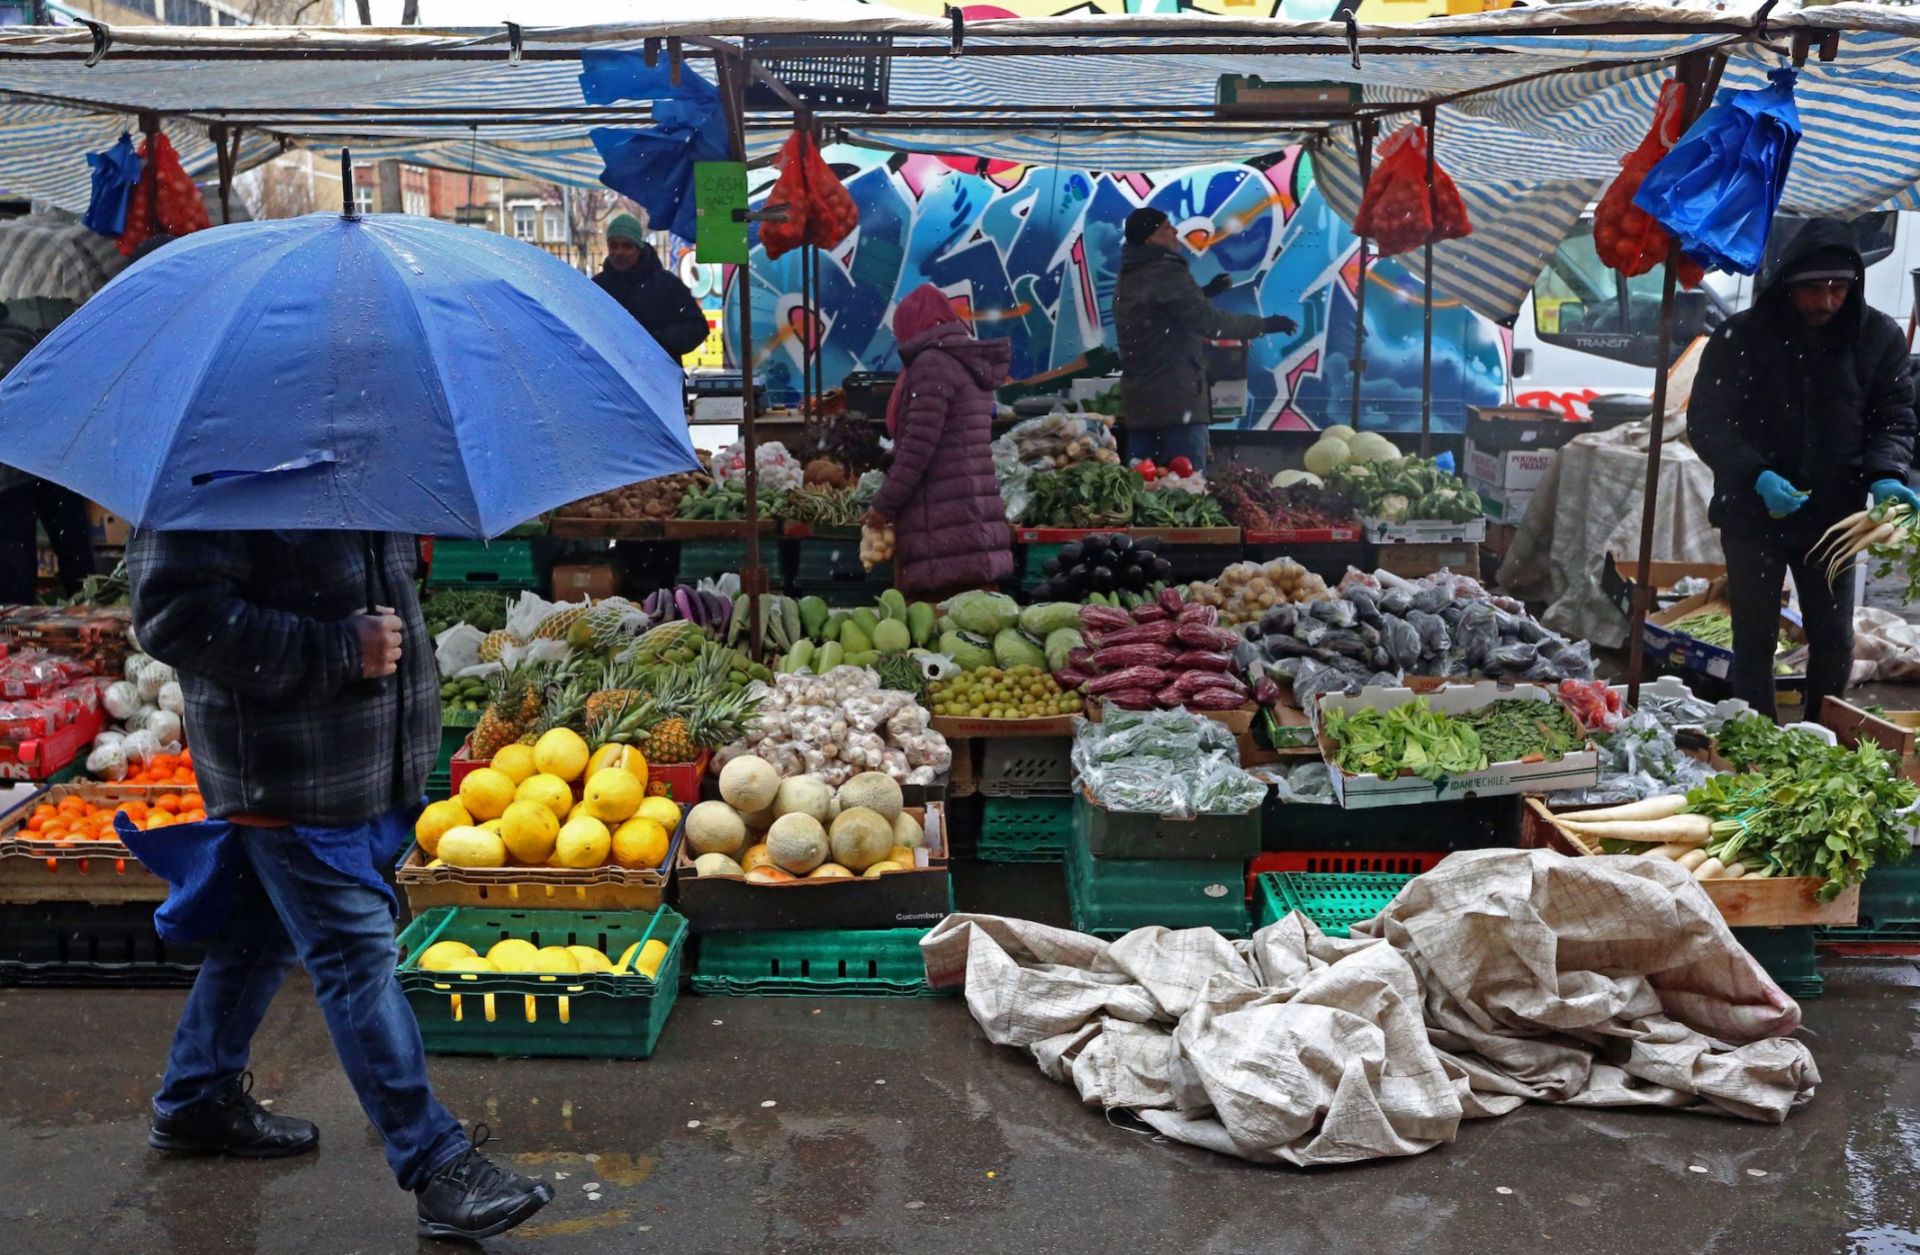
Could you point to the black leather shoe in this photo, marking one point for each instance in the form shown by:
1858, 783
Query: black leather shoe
232, 1123
472, 1197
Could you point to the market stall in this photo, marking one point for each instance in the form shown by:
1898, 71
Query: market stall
769, 770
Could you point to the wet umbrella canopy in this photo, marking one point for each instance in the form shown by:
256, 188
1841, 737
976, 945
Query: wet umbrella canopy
386, 373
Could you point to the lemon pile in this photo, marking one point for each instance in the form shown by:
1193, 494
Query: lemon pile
520, 810
523, 957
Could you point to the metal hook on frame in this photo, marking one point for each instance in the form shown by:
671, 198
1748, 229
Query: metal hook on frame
515, 43
102, 40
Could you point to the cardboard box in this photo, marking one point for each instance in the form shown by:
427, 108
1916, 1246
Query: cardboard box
1577, 770
1425, 532
1413, 561
1617, 578
109, 530
574, 580
1690, 654
1500, 504
1511, 470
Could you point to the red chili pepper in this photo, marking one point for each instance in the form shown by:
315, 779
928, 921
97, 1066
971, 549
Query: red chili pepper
1181, 466
1145, 467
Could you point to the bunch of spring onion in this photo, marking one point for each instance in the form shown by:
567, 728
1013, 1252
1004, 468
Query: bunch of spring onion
1886, 532
1661, 827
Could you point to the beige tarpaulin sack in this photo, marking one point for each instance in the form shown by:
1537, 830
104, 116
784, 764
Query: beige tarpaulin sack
1498, 977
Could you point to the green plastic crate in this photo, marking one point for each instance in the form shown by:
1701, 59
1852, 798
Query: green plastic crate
710, 559
482, 564
1131, 835
869, 963
596, 1016
1024, 829
833, 565
1033, 558
1336, 901
1109, 896
1789, 955
1889, 907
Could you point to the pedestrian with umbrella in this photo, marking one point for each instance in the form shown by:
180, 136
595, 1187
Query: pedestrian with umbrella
279, 408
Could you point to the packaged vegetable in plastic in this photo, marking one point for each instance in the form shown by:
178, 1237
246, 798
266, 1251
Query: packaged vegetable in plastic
1398, 210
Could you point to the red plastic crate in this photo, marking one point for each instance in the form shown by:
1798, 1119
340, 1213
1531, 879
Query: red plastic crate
1394, 862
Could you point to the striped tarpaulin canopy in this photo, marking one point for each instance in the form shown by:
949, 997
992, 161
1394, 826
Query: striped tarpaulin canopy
53, 255
1536, 105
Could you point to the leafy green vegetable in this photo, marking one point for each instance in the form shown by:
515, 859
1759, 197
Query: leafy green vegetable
1172, 507
1821, 811
1405, 489
1413, 737
1086, 494
1513, 729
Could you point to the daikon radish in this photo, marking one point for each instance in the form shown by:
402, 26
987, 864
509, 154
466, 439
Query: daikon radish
1759, 873
1645, 808
1732, 871
1709, 870
1692, 859
1676, 829
1671, 850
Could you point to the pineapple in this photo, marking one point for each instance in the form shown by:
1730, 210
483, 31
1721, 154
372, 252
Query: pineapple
513, 704
619, 685
563, 704
690, 715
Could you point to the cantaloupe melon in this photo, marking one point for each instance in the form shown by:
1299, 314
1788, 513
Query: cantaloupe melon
715, 865
715, 828
861, 837
908, 832
872, 790
804, 795
749, 784
797, 843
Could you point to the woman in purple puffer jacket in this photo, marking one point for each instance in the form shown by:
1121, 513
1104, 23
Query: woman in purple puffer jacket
950, 526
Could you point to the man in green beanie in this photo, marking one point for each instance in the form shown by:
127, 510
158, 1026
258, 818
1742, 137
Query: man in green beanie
654, 296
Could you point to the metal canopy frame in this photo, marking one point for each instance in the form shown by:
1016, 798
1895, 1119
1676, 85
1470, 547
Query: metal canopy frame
734, 67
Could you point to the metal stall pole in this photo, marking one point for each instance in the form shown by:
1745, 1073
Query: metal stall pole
150, 127
1693, 102
733, 75
1427, 113
1365, 149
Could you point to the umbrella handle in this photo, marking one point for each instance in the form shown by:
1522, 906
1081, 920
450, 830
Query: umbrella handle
323, 457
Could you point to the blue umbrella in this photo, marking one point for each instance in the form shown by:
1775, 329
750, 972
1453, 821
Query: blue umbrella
384, 373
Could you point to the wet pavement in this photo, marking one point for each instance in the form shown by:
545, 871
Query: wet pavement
881, 1126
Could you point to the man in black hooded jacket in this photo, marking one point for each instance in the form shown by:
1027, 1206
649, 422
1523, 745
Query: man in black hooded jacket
1803, 408
650, 292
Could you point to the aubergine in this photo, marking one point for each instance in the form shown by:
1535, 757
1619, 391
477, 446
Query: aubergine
1133, 579
1051, 566
1162, 569
1070, 554
1146, 544
1101, 578
1079, 580
1120, 543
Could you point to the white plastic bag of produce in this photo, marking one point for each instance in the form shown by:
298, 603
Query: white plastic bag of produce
525, 616
457, 648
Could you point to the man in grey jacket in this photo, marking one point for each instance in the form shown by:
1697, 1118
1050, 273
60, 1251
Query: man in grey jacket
1164, 320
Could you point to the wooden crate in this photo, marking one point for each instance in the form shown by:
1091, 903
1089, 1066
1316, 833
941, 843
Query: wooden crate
1777, 902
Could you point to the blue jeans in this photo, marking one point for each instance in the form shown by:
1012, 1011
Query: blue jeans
1164, 444
290, 905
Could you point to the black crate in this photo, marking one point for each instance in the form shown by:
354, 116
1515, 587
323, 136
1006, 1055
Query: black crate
825, 81
79, 944
1026, 766
1469, 824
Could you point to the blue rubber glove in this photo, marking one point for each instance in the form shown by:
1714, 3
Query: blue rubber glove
1885, 490
1781, 497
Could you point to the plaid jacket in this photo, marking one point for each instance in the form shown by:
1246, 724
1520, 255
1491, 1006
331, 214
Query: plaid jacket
279, 719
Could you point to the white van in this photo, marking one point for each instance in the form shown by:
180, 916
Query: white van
1586, 332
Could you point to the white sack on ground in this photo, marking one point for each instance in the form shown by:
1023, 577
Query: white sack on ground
1501, 975
1885, 646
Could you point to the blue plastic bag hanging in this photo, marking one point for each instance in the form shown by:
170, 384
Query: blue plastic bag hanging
116, 173
653, 166
1717, 190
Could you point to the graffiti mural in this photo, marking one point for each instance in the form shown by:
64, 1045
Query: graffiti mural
1298, 10
1031, 255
